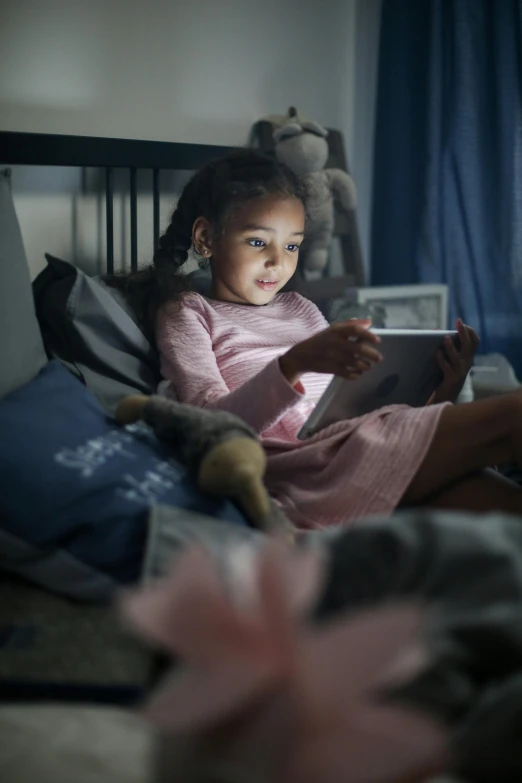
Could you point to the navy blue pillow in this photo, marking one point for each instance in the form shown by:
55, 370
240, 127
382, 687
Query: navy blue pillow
75, 488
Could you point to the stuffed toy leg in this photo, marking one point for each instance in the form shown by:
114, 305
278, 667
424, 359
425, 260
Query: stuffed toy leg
219, 449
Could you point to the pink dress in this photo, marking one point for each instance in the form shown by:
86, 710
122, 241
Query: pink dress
222, 355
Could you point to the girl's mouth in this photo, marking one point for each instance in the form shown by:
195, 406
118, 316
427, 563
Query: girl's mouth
267, 285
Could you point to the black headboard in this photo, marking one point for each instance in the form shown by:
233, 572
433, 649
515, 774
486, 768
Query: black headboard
41, 149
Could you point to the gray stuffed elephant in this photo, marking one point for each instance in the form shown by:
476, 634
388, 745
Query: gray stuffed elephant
301, 144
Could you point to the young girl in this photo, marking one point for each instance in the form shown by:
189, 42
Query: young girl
267, 357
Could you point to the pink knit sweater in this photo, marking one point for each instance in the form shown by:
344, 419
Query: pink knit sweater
222, 355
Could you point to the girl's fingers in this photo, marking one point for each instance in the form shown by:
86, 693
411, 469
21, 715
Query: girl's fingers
352, 369
351, 362
354, 330
463, 332
358, 366
469, 339
347, 373
474, 338
351, 349
465, 341
349, 367
453, 356
348, 356
360, 350
444, 365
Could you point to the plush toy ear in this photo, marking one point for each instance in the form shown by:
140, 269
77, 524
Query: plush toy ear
315, 128
288, 130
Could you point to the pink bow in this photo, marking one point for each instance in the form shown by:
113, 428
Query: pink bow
294, 700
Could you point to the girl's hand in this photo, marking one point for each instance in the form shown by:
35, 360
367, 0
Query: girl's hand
455, 364
344, 349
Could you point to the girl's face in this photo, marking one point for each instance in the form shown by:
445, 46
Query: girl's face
257, 253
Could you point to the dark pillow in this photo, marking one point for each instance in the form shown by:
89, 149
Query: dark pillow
75, 489
87, 325
22, 354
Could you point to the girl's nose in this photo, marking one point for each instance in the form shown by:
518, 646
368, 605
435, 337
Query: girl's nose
274, 258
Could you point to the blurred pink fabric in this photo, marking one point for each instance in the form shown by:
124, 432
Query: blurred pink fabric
288, 699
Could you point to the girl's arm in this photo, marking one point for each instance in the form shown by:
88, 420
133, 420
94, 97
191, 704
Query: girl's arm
189, 363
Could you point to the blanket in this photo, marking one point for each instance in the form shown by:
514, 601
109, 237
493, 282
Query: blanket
469, 568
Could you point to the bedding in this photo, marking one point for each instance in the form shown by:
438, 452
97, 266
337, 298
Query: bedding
88, 326
471, 568
55, 649
76, 489
467, 569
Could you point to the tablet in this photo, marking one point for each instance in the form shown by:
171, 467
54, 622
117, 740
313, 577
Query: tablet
408, 375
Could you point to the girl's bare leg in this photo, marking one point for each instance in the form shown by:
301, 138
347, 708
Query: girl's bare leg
481, 493
468, 439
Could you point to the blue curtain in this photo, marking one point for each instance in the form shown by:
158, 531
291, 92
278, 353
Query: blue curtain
448, 159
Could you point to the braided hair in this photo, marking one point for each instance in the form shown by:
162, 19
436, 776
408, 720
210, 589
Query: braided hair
213, 192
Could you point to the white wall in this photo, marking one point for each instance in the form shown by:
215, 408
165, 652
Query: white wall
179, 70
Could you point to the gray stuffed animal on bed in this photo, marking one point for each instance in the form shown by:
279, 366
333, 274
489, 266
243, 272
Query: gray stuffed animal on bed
219, 449
301, 144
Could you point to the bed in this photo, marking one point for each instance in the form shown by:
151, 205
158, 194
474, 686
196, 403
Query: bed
58, 640
47, 647
52, 647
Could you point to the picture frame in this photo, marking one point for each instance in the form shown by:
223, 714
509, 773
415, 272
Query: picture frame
423, 306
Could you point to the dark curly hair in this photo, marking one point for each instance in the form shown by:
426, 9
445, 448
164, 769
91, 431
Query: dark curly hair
213, 192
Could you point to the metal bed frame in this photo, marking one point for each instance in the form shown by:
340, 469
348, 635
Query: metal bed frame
34, 149
42, 149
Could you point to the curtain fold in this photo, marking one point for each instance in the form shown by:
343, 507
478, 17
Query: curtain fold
448, 159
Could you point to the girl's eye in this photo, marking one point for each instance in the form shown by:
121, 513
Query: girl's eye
293, 248
256, 242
